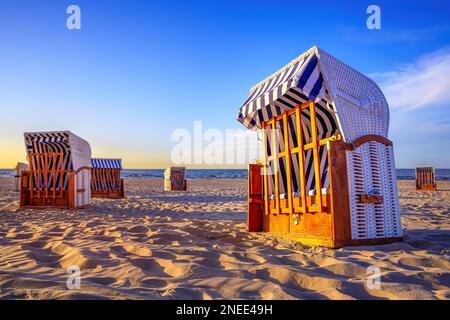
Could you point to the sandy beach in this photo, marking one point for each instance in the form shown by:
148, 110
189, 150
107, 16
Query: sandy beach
194, 245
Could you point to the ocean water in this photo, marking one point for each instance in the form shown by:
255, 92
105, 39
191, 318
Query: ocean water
190, 173
402, 174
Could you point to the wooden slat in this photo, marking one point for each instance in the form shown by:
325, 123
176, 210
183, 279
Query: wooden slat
287, 156
274, 149
61, 179
38, 171
265, 164
301, 160
318, 182
46, 175
31, 182
54, 176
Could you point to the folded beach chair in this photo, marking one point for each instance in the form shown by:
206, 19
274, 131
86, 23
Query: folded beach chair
174, 179
59, 172
328, 175
106, 181
426, 179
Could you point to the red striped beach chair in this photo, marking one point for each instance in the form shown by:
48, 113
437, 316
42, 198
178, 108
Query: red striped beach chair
328, 175
59, 172
106, 180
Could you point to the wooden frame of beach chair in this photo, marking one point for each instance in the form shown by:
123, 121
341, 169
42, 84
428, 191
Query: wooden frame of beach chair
174, 179
106, 180
59, 174
327, 176
426, 179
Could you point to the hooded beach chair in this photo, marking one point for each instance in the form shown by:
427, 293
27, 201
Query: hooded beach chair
426, 179
174, 179
106, 181
59, 172
328, 174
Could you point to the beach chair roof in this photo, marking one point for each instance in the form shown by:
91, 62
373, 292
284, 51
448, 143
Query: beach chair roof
77, 151
104, 163
352, 99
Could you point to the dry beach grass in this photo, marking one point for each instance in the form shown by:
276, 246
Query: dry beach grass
194, 245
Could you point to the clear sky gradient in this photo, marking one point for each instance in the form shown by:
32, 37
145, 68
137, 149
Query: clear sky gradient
137, 70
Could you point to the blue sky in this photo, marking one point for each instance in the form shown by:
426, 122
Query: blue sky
137, 70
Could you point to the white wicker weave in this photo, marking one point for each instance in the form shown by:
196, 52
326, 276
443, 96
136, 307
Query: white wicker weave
370, 170
362, 110
361, 106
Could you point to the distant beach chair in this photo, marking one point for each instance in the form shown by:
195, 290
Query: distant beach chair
59, 172
328, 175
106, 181
174, 179
19, 168
426, 179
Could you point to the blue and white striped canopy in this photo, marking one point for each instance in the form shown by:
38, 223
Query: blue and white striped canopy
51, 137
299, 81
100, 163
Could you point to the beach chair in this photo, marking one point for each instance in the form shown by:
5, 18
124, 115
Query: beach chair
327, 176
426, 179
19, 168
106, 181
59, 172
174, 179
